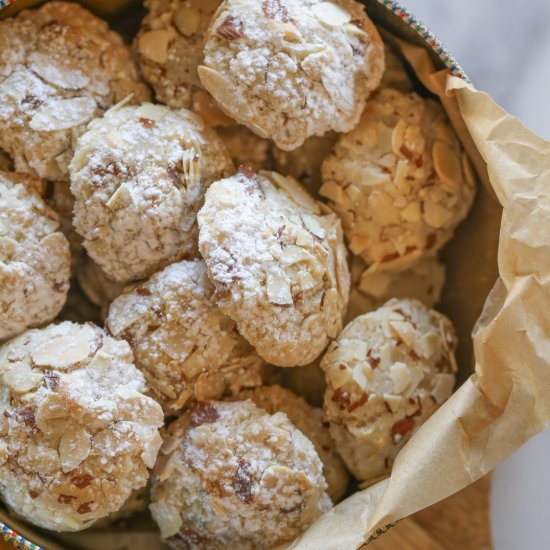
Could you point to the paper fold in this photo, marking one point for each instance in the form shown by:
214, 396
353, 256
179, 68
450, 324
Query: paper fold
506, 400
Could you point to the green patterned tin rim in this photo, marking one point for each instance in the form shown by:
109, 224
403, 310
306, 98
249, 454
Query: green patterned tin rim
9, 535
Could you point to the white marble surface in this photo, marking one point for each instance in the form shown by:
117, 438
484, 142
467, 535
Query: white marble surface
504, 47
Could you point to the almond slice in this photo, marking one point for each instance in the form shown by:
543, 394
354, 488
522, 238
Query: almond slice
154, 45
62, 352
62, 114
20, 378
187, 20
74, 447
400, 376
278, 289
331, 14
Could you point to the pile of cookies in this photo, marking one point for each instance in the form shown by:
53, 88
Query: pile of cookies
264, 232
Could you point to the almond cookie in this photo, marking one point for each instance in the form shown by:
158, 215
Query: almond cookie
278, 262
387, 373
304, 163
400, 181
184, 345
423, 281
230, 475
97, 287
290, 69
309, 421
77, 435
60, 67
139, 175
245, 148
35, 261
169, 47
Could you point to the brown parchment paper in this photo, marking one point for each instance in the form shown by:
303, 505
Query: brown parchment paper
507, 399
504, 396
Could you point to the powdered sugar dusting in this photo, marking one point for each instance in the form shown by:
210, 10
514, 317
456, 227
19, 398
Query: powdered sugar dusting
277, 262
60, 67
77, 435
240, 478
290, 69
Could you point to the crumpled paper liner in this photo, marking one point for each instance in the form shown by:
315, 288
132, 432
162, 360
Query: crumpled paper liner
507, 399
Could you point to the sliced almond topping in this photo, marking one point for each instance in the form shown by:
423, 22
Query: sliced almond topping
404, 331
412, 212
400, 176
62, 352
384, 212
74, 447
62, 114
372, 176
119, 199
225, 94
151, 112
331, 14
359, 243
304, 238
306, 281
339, 375
359, 377
436, 215
187, 20
313, 225
20, 378
295, 190
394, 401
398, 136
447, 166
278, 290
154, 45
151, 450
331, 190
400, 376
294, 254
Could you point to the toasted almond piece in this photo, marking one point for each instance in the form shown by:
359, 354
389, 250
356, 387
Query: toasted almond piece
74, 447
436, 215
331, 14
154, 45
64, 74
151, 111
340, 376
403, 330
168, 518
62, 352
151, 449
62, 114
331, 190
187, 20
447, 166
359, 377
278, 289
412, 212
400, 376
119, 199
295, 190
225, 93
398, 136
20, 378
313, 225
394, 401
359, 243
306, 281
